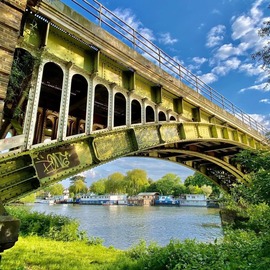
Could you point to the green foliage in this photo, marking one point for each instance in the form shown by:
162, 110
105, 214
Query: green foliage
207, 190
240, 250
264, 54
49, 226
169, 184
78, 184
98, 187
115, 183
55, 189
257, 164
198, 179
21, 72
194, 189
135, 181
28, 199
17, 90
38, 253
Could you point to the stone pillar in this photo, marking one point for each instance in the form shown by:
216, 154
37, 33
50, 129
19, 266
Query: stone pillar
10, 23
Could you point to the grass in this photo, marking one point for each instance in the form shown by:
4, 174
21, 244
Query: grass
37, 253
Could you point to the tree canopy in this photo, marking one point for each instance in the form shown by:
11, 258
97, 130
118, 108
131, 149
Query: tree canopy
115, 183
56, 189
203, 184
263, 55
78, 185
136, 181
257, 165
169, 184
98, 187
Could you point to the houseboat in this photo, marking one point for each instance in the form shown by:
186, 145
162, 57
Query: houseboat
107, 199
167, 200
193, 200
143, 199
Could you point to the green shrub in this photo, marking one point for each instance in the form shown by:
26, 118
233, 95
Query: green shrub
47, 225
239, 250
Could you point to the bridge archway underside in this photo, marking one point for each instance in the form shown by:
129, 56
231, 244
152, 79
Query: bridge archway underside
206, 148
93, 98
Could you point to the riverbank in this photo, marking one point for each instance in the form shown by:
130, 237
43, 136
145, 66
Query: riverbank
245, 246
38, 253
240, 250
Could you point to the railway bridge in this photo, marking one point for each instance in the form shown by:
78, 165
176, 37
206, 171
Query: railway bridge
94, 89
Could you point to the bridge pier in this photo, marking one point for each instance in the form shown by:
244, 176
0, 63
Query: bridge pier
9, 230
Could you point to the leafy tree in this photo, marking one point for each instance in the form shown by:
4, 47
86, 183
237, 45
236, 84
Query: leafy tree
207, 190
98, 187
17, 91
78, 184
136, 181
198, 179
179, 189
264, 54
194, 189
56, 189
257, 164
169, 184
115, 183
28, 198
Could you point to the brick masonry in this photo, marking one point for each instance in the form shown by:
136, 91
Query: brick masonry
10, 20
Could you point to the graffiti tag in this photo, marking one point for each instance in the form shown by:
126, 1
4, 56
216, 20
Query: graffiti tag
58, 160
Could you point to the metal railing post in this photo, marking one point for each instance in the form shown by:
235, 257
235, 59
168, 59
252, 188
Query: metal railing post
100, 14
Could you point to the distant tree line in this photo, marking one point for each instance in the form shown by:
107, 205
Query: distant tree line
134, 182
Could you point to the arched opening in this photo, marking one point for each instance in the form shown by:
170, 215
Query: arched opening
136, 112
150, 114
17, 92
77, 105
172, 118
119, 110
101, 107
161, 116
49, 102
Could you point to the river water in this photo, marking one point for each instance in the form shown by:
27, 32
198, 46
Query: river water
124, 226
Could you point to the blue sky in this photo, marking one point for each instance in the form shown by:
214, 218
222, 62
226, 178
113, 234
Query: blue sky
214, 40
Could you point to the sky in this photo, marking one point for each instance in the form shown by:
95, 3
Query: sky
215, 41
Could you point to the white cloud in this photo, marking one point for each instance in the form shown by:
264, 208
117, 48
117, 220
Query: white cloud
199, 60
226, 51
266, 101
263, 119
245, 41
241, 26
226, 66
129, 18
215, 36
250, 69
245, 27
264, 87
208, 78
263, 77
165, 38
255, 12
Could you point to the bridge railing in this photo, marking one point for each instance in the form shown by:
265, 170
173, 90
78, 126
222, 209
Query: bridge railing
118, 27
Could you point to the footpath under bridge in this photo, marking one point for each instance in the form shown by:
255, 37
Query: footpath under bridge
99, 91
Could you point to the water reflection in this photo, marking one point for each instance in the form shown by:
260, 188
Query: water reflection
124, 226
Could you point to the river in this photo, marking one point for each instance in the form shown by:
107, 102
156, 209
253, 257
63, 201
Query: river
124, 226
